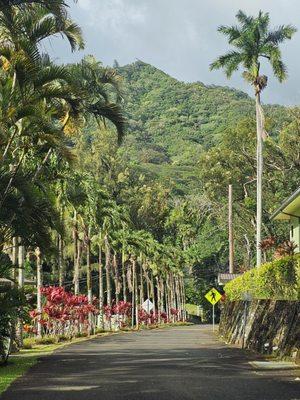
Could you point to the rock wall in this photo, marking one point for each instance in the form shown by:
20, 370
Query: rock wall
265, 326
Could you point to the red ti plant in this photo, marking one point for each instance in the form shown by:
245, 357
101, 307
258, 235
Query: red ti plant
122, 310
63, 313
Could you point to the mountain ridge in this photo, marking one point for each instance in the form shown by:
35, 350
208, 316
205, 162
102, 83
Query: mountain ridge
170, 122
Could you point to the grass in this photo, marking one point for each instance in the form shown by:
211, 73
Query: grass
14, 369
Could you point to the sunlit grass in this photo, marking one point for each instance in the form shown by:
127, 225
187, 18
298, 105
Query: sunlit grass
15, 368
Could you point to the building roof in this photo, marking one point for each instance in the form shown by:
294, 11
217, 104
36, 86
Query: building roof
226, 277
289, 208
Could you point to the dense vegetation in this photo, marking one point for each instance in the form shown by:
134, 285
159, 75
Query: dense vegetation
277, 280
196, 140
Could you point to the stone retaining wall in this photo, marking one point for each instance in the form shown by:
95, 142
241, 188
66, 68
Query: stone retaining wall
265, 326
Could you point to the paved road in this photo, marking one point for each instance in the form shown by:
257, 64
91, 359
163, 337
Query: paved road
170, 364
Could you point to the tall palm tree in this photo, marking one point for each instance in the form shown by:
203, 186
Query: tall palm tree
253, 41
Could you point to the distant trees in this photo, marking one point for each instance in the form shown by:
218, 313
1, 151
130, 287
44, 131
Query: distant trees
253, 42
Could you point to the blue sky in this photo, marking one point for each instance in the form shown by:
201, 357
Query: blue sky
180, 37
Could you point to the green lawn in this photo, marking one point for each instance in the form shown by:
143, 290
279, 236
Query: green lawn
16, 367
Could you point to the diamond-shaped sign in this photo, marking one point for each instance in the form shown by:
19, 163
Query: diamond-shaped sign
213, 296
147, 305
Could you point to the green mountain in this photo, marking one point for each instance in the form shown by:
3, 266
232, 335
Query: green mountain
172, 122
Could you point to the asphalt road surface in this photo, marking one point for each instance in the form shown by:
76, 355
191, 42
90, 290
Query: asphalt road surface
168, 364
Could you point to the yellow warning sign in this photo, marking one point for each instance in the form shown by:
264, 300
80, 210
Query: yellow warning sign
213, 296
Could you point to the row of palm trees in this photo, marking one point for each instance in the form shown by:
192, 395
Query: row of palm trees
48, 205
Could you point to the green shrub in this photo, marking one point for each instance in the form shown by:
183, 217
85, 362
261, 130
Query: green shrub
278, 280
80, 335
63, 338
46, 340
28, 343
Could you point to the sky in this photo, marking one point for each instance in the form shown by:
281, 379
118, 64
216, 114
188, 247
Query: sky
180, 37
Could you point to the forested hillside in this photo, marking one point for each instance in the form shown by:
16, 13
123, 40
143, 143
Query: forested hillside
172, 122
195, 140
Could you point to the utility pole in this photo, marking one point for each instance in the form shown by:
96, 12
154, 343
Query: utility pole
230, 231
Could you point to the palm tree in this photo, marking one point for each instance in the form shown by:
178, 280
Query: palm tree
253, 41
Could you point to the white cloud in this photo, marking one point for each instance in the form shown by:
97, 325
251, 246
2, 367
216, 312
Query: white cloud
180, 36
113, 15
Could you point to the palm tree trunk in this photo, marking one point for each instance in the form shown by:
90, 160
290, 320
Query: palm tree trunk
124, 277
21, 261
15, 257
167, 301
172, 295
39, 280
153, 293
134, 273
178, 297
77, 268
259, 155
75, 249
162, 296
116, 277
183, 297
141, 284
148, 284
107, 270
60, 261
158, 300
89, 276
132, 293
101, 297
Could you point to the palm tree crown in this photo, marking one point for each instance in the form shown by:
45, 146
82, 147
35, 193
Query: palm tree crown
252, 41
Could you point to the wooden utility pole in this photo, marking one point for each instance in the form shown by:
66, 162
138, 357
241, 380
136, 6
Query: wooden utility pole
230, 231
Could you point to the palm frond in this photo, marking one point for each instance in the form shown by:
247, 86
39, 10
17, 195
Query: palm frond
74, 35
230, 62
113, 113
280, 34
244, 19
232, 32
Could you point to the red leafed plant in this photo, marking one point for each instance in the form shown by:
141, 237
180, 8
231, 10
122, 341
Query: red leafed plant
286, 248
63, 312
143, 316
164, 316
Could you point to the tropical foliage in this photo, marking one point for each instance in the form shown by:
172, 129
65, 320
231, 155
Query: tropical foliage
277, 280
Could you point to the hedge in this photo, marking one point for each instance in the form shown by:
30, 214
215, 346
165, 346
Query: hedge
276, 280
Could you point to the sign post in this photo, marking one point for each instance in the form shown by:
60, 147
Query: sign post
213, 296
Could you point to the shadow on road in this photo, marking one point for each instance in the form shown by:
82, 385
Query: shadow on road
178, 363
